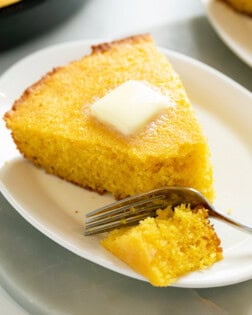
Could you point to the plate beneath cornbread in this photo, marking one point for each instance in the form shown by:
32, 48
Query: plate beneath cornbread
57, 208
234, 28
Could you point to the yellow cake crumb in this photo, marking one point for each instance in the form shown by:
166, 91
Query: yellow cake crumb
168, 246
229, 211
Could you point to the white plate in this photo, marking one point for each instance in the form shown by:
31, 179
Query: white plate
57, 208
234, 28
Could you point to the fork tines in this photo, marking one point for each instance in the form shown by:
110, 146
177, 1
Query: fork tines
124, 213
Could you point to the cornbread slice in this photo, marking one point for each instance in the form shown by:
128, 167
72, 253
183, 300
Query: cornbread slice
168, 246
243, 6
52, 126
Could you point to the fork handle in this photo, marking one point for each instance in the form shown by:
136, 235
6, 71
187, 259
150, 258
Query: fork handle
234, 222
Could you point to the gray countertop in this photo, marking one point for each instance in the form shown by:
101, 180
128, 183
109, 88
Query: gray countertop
43, 277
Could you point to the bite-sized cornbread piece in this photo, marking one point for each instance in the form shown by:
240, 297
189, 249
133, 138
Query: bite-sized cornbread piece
168, 246
52, 125
243, 6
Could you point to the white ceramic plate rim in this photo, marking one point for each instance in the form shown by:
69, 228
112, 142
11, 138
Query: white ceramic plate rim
240, 49
241, 275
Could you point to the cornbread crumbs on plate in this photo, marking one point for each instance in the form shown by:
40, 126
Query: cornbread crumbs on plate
169, 246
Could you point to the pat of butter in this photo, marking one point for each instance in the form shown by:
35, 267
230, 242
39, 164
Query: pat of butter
130, 106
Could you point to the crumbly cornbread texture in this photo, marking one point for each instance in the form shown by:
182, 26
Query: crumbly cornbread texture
168, 246
243, 6
52, 126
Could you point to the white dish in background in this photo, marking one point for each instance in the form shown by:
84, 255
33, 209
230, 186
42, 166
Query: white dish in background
234, 28
57, 208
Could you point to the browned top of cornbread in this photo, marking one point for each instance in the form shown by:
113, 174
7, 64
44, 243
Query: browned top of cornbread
240, 6
63, 96
102, 47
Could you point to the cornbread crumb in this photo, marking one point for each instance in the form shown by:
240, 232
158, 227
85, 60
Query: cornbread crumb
229, 211
168, 246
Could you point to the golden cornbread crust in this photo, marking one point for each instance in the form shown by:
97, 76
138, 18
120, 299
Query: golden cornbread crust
27, 92
103, 47
52, 126
240, 6
169, 246
99, 48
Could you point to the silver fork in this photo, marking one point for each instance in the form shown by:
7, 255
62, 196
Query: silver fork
133, 209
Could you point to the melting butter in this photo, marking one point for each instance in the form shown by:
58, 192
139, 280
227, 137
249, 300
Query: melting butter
130, 106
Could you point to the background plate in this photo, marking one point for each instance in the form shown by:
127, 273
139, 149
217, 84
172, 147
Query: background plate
234, 28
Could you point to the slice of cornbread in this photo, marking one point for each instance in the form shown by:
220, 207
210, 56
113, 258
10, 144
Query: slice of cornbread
168, 246
243, 6
52, 126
